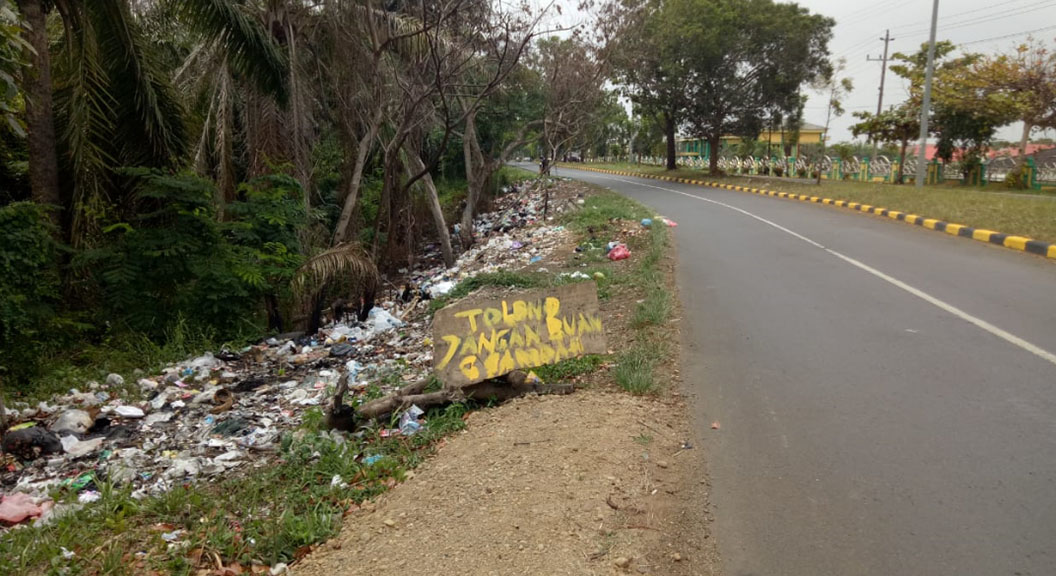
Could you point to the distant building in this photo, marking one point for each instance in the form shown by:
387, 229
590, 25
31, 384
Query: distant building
808, 134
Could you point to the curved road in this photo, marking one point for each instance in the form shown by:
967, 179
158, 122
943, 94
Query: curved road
887, 394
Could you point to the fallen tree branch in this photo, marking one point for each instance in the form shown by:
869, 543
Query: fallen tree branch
514, 384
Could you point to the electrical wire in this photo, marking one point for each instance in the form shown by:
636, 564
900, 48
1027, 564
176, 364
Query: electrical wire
981, 19
1024, 33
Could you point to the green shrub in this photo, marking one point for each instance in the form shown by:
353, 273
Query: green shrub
29, 289
1017, 178
171, 260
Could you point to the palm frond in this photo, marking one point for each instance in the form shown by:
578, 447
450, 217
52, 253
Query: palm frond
248, 47
148, 114
342, 262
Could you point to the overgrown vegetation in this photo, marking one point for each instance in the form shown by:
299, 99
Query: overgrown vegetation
170, 168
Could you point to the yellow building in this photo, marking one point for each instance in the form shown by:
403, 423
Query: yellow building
808, 134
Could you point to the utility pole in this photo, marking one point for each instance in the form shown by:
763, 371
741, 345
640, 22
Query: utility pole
883, 71
922, 155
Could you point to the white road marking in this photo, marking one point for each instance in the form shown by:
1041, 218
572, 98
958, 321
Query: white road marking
978, 322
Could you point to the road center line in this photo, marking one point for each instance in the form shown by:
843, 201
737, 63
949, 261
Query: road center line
978, 322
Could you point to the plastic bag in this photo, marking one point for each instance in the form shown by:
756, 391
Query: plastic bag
620, 252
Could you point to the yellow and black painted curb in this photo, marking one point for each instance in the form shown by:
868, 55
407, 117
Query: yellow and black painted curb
1021, 243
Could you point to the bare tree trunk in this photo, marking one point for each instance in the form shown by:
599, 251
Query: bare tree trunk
414, 166
473, 158
355, 179
669, 133
902, 162
40, 118
1024, 141
713, 154
297, 117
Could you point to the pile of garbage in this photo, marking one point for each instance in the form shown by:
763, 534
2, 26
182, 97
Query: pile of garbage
223, 413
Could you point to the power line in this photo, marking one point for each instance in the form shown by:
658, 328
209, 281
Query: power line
987, 18
1008, 36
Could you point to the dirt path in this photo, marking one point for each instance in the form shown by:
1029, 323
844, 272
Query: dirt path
592, 483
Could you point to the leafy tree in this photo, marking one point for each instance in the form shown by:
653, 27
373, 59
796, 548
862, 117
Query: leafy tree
721, 66
652, 62
896, 125
1025, 83
13, 51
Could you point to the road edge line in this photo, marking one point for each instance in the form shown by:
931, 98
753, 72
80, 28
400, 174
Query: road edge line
1010, 241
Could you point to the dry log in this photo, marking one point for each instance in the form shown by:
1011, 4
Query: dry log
515, 384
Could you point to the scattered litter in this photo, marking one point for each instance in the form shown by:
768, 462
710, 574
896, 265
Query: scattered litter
224, 412
647, 222
715, 425
669, 223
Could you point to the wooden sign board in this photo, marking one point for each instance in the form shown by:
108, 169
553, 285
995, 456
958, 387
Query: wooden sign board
474, 340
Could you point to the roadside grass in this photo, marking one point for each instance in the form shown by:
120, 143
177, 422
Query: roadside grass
570, 369
992, 208
268, 516
605, 213
635, 368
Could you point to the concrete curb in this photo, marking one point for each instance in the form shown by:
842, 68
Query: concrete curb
1020, 243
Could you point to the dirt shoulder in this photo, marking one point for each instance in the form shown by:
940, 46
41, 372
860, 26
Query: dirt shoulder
593, 483
597, 482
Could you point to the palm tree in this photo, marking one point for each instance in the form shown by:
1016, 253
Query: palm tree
111, 103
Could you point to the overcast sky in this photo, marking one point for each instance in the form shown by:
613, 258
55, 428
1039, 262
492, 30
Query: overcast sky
978, 25
989, 25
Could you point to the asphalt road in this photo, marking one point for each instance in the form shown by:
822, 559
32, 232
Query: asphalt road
887, 394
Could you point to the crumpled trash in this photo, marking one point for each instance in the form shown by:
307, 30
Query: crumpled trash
341, 349
383, 320
183, 467
17, 508
126, 411
73, 422
647, 222
620, 252
372, 459
441, 288
31, 443
669, 223
77, 448
409, 424
115, 380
